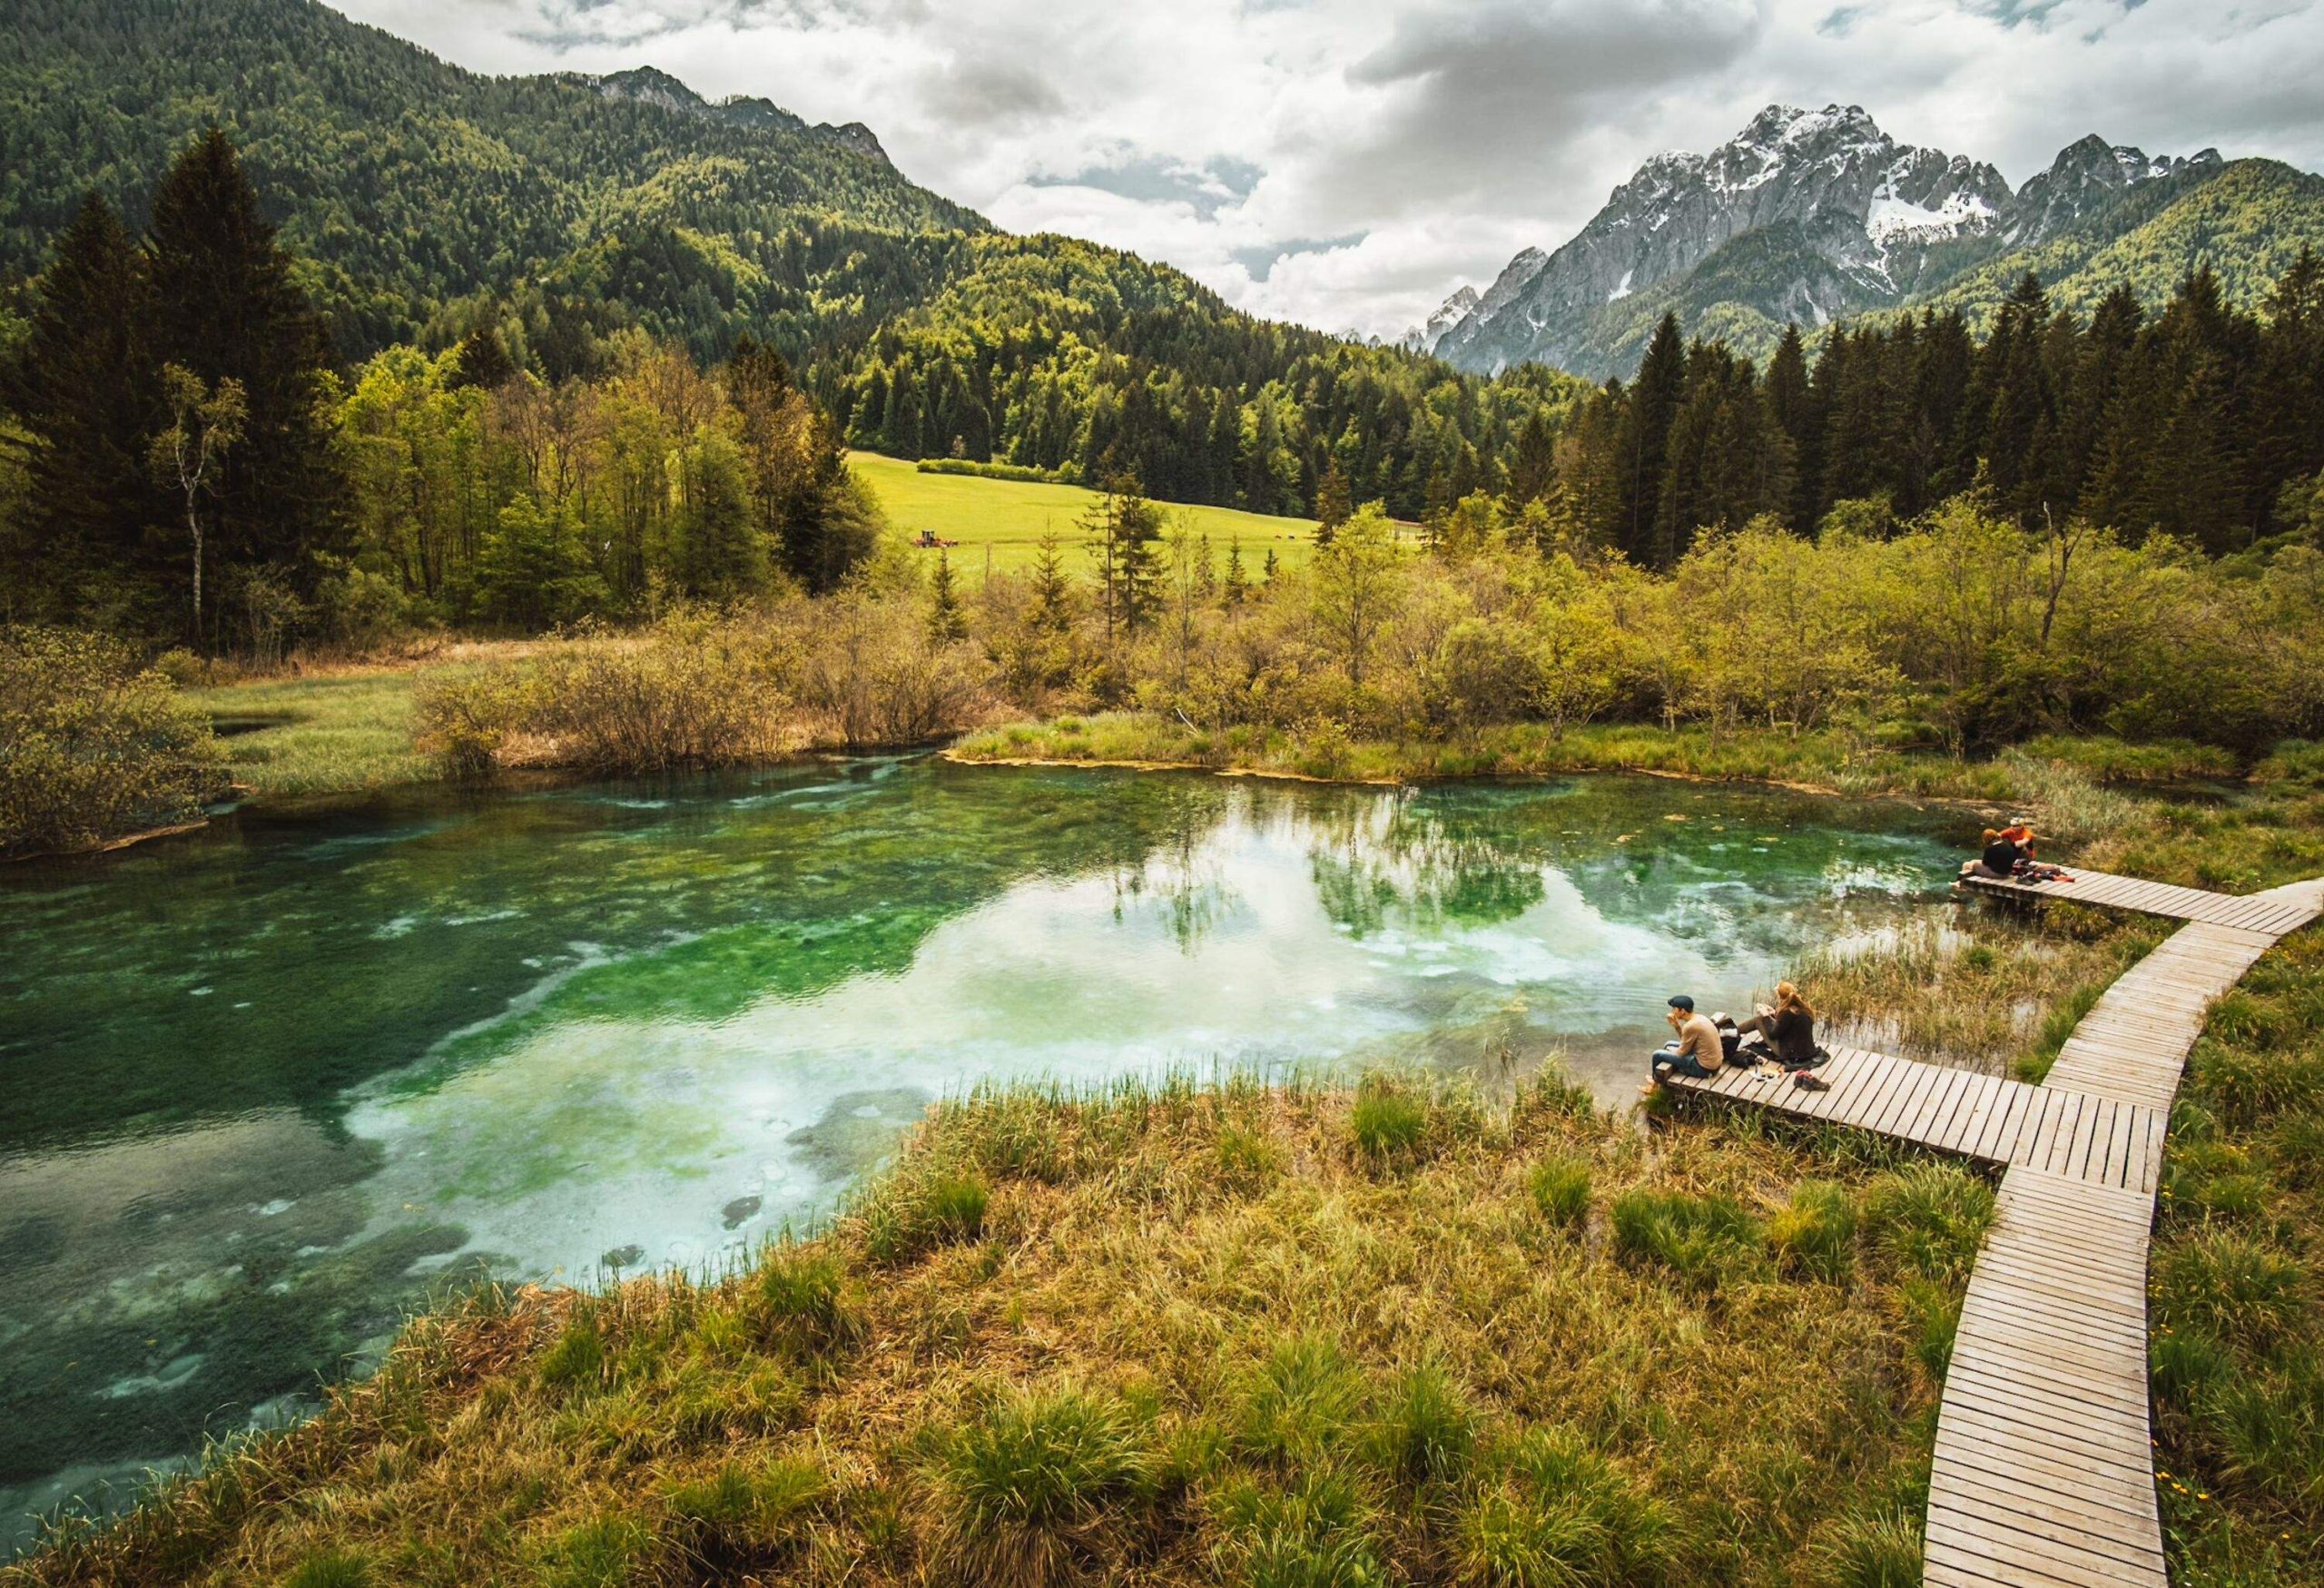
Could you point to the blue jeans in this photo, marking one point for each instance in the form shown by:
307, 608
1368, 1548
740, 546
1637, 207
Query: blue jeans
1685, 1064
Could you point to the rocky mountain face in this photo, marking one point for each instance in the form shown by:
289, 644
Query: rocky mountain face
1838, 216
1423, 339
2086, 175
650, 85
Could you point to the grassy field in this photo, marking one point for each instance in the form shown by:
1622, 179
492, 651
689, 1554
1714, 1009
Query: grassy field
1005, 520
333, 734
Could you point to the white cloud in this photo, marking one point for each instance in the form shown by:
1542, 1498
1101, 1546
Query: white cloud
1347, 162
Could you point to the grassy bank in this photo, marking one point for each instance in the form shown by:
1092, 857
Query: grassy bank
1828, 761
340, 732
1174, 1334
1005, 520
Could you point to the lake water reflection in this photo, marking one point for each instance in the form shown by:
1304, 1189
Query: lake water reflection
265, 1086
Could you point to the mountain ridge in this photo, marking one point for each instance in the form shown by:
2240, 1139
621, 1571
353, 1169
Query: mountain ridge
1867, 225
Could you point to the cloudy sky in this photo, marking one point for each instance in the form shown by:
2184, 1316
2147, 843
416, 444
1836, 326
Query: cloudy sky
1347, 162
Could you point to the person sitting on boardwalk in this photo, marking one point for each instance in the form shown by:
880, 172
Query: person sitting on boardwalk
2002, 853
1696, 1051
1788, 1026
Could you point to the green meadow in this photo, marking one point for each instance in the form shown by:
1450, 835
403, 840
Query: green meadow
999, 523
335, 733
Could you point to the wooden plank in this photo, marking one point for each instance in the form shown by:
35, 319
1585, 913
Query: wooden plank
2076, 1507
2064, 1554
2002, 1451
1935, 1105
1993, 1470
1950, 1114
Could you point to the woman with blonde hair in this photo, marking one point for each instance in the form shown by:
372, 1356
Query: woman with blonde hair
1788, 1026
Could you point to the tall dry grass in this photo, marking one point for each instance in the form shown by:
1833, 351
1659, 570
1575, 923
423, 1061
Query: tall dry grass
710, 689
1191, 1332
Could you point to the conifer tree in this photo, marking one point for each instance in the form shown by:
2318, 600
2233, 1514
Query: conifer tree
482, 361
1236, 588
228, 310
1645, 438
1052, 593
87, 392
1534, 464
947, 623
720, 553
1333, 505
1123, 527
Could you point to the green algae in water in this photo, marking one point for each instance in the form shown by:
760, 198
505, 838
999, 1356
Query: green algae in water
273, 1084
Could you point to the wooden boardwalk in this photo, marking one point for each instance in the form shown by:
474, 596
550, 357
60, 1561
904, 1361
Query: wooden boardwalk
2275, 912
2043, 1473
2109, 1142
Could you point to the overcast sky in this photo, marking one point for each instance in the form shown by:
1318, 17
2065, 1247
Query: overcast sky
1347, 162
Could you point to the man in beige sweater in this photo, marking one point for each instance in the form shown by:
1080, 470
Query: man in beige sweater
1696, 1052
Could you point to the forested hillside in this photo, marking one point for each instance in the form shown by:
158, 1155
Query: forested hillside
423, 202
530, 350
2247, 223
1049, 352
409, 184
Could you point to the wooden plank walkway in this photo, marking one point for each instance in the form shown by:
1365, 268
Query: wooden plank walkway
2271, 912
2111, 1141
2043, 1473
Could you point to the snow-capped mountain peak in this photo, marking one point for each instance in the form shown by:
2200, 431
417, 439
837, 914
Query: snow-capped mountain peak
1422, 339
1846, 217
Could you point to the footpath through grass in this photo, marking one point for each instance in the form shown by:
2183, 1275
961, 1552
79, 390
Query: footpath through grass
1008, 517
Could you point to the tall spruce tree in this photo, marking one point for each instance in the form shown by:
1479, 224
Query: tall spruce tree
1789, 406
227, 308
1534, 464
89, 394
1645, 439
1333, 505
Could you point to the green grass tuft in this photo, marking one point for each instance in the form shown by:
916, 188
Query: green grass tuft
1040, 1487
1427, 1426
610, 1551
1560, 1191
1877, 1549
1816, 1234
1930, 1219
1707, 1241
803, 1300
1389, 1125
742, 1514
1300, 1404
332, 1569
577, 1360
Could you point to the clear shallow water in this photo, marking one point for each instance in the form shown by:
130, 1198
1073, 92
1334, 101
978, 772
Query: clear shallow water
261, 1090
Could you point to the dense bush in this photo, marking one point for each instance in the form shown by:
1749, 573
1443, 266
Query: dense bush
1959, 631
91, 746
700, 690
1069, 473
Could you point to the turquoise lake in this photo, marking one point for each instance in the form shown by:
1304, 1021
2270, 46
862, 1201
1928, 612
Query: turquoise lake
272, 1085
